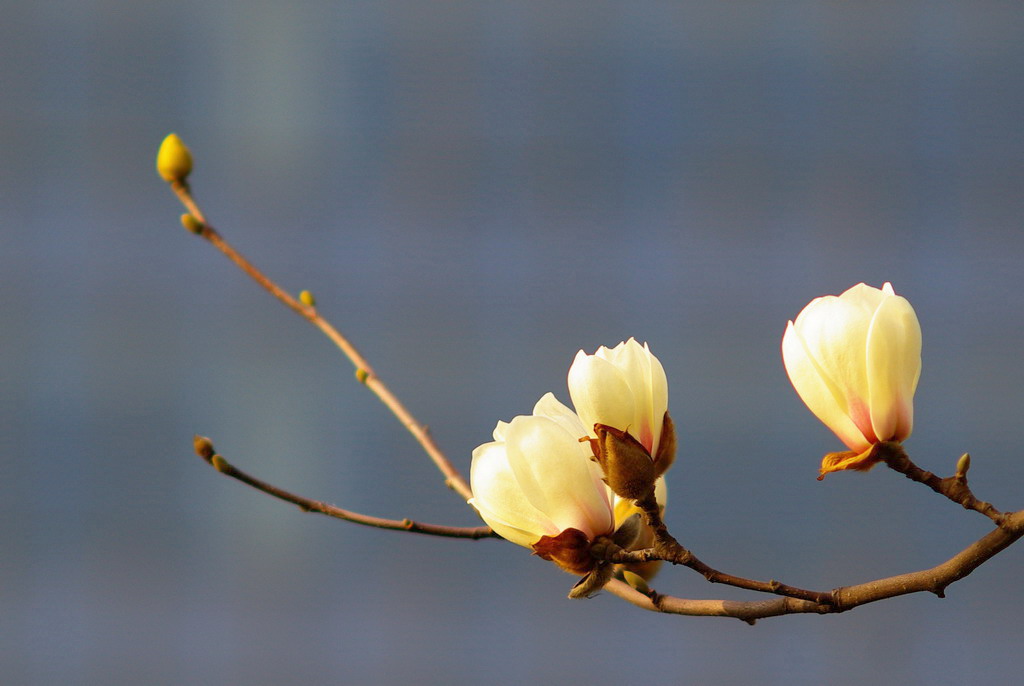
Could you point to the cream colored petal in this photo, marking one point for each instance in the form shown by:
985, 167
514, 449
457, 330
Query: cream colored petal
506, 531
554, 471
600, 394
500, 500
866, 297
499, 431
894, 367
835, 335
549, 406
648, 385
823, 395
657, 384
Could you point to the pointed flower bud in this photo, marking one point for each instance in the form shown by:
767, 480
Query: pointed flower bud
537, 486
855, 360
173, 160
621, 395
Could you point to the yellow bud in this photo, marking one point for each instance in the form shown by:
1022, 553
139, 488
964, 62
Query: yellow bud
191, 224
962, 465
173, 160
219, 463
203, 446
362, 375
307, 299
636, 581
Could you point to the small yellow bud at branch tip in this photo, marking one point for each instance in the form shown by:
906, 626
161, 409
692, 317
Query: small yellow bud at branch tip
203, 446
307, 299
191, 224
173, 160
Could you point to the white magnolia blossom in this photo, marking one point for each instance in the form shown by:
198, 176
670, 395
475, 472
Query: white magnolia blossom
537, 479
855, 360
622, 387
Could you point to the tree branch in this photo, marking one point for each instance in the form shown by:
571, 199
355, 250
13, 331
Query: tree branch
204, 448
667, 548
364, 372
934, 580
953, 487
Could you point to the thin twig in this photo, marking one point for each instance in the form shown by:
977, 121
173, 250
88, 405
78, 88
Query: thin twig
205, 450
364, 372
667, 548
934, 580
954, 487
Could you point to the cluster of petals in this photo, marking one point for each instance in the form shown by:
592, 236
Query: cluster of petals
537, 483
622, 387
537, 478
855, 360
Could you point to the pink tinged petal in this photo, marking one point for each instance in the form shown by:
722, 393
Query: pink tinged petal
553, 469
834, 334
649, 387
894, 367
657, 383
823, 395
500, 500
600, 393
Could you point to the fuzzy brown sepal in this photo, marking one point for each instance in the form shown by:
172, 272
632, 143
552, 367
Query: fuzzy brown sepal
666, 447
627, 466
593, 582
860, 462
570, 550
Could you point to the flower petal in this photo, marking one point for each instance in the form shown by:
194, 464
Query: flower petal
823, 395
894, 367
553, 470
600, 394
500, 501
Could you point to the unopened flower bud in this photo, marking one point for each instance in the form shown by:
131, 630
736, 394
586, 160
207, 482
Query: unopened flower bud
855, 359
307, 299
191, 224
636, 581
173, 160
963, 465
203, 446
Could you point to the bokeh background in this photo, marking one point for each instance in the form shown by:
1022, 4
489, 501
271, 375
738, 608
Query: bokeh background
474, 191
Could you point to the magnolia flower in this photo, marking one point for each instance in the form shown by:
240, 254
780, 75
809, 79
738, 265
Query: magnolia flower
537, 486
855, 360
621, 395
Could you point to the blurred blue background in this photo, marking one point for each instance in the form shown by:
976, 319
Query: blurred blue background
474, 191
